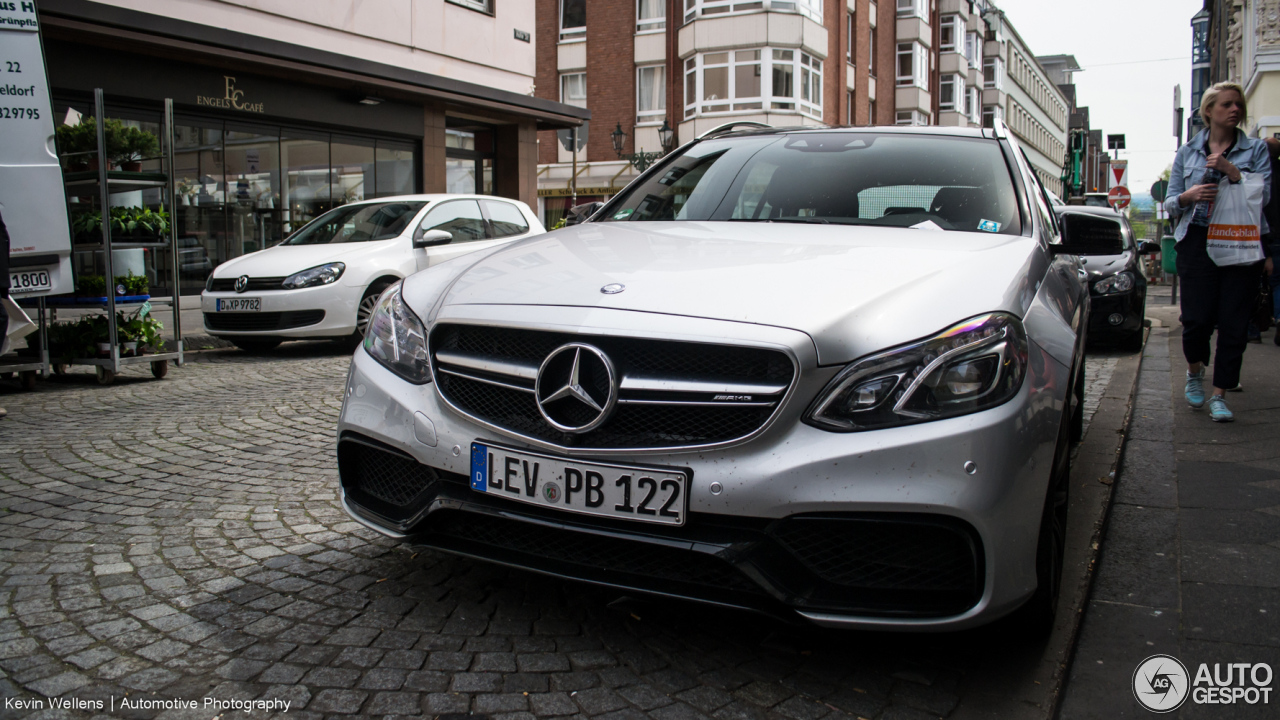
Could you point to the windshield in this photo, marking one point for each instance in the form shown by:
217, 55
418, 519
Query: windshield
847, 178
357, 223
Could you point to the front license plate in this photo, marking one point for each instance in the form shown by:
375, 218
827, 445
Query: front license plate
656, 495
25, 281
239, 304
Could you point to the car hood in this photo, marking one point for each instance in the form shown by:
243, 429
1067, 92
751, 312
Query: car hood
284, 260
854, 290
1100, 266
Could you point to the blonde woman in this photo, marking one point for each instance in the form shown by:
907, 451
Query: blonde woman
1212, 296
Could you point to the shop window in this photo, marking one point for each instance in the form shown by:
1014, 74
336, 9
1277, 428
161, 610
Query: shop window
573, 20
651, 15
395, 169
573, 89
352, 169
651, 94
505, 219
461, 218
469, 161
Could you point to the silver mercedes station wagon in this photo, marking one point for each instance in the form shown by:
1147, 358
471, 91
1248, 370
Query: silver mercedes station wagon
826, 373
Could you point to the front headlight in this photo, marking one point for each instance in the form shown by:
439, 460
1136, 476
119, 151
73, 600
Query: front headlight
975, 365
320, 275
1118, 283
397, 338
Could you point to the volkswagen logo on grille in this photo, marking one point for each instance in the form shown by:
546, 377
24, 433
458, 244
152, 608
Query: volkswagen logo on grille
576, 388
242, 283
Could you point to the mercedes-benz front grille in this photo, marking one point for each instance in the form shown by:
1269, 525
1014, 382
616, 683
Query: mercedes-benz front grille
668, 394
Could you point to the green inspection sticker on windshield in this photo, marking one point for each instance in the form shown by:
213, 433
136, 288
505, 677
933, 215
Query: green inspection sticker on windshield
989, 226
624, 214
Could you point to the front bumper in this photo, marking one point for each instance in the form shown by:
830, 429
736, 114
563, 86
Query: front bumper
881, 529
323, 311
1131, 306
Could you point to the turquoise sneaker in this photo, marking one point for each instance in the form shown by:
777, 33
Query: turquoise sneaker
1218, 410
1195, 389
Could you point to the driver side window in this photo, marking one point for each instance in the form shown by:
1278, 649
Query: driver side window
461, 218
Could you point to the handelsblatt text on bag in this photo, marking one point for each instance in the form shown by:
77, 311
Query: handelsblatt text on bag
1234, 236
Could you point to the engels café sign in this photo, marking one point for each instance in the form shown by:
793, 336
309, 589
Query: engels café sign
233, 99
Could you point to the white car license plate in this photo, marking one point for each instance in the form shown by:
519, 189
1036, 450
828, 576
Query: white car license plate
656, 495
239, 305
35, 280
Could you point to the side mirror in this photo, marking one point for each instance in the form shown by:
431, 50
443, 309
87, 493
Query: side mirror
1148, 248
428, 238
1090, 235
579, 213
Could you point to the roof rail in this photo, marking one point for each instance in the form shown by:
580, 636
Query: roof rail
728, 127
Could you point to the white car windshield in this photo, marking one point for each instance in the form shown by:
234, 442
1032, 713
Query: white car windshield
846, 178
357, 223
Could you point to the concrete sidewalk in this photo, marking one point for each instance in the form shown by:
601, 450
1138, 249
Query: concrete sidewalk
1190, 560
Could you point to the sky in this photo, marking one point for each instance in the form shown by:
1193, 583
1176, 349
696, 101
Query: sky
1125, 48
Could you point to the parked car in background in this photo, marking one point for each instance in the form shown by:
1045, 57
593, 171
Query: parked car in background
818, 373
1096, 200
193, 257
324, 280
1116, 284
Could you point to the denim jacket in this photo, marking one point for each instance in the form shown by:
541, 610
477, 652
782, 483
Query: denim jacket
1248, 154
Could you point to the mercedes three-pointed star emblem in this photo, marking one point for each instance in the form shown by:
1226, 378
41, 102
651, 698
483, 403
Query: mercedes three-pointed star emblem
577, 388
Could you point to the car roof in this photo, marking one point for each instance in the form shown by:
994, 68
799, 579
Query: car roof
1088, 210
944, 130
433, 197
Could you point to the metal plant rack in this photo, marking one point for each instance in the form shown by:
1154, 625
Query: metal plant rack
109, 182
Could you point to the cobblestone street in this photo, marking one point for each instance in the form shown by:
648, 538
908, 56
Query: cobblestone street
183, 539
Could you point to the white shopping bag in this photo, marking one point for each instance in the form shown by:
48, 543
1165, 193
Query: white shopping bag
20, 325
1234, 235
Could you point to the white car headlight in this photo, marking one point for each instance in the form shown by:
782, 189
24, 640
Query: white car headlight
319, 275
398, 339
1118, 283
974, 365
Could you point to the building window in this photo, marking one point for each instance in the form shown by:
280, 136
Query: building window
573, 20
741, 80
651, 94
871, 53
708, 8
950, 33
991, 113
849, 107
913, 8
913, 65
912, 117
484, 6
972, 105
993, 73
951, 93
851, 28
651, 15
573, 89
871, 112
973, 49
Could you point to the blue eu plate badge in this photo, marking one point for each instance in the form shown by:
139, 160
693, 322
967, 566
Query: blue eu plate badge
479, 468
989, 226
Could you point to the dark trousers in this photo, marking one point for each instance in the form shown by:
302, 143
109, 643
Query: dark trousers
1215, 297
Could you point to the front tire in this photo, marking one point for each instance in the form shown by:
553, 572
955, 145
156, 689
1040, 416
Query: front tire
1038, 614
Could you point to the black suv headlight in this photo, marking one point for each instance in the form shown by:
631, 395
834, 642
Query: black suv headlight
1118, 283
397, 338
974, 365
319, 275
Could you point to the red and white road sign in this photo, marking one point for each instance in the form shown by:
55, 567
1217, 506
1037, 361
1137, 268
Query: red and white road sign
1119, 197
1119, 176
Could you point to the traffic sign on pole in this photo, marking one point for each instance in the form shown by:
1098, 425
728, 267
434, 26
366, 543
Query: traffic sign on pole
1119, 197
1158, 190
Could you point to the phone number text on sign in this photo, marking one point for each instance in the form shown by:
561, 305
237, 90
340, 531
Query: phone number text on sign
18, 113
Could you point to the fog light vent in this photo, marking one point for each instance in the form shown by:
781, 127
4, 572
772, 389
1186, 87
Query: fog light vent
1115, 318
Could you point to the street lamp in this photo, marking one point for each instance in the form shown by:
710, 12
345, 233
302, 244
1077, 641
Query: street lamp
667, 136
639, 160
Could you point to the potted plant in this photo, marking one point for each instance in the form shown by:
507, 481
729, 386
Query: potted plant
86, 226
83, 138
134, 285
91, 286
75, 139
148, 223
133, 146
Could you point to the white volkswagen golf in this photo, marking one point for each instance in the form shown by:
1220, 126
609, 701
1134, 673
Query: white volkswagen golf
324, 280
